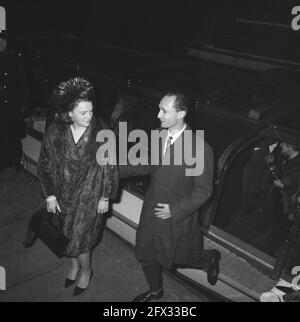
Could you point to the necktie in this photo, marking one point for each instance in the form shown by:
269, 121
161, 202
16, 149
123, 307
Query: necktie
168, 143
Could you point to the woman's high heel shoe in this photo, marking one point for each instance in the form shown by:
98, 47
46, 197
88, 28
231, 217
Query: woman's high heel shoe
69, 282
78, 290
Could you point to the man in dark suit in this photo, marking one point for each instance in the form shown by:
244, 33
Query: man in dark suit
168, 233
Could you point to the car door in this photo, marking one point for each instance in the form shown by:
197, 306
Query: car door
247, 212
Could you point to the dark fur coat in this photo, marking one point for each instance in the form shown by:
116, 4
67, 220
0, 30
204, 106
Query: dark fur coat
71, 172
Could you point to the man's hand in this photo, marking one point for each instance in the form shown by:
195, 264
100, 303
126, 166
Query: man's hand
103, 205
53, 206
163, 212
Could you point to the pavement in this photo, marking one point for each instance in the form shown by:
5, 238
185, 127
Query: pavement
36, 275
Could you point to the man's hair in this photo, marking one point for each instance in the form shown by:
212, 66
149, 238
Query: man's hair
181, 102
69, 93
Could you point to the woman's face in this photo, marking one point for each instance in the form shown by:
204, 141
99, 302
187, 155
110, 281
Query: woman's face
82, 114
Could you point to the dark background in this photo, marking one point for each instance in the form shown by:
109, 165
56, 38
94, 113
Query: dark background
165, 25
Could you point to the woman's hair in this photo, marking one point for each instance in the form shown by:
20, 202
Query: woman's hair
69, 93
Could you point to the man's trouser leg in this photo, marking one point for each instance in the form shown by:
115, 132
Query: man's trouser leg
153, 273
204, 258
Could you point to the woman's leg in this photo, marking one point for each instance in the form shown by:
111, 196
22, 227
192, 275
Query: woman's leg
85, 262
86, 270
75, 268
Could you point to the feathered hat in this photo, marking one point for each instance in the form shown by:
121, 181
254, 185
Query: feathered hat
71, 92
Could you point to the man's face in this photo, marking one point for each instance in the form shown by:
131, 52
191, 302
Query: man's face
168, 115
82, 114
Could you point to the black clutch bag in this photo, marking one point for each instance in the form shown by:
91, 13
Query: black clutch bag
47, 226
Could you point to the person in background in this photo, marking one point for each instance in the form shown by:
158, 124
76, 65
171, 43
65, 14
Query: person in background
281, 199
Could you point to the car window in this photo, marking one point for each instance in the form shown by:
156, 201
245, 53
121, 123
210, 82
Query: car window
219, 131
251, 207
142, 117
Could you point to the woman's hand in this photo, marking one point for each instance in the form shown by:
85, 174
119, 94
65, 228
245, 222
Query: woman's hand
53, 206
278, 184
103, 205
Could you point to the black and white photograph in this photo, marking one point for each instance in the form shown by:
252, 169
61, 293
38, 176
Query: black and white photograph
150, 152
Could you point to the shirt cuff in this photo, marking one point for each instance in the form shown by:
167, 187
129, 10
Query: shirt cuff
51, 198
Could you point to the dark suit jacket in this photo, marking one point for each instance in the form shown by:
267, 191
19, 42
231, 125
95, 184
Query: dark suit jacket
176, 240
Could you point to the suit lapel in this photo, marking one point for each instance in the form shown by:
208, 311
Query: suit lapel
168, 158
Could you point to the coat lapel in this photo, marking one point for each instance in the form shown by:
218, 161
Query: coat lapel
162, 156
168, 158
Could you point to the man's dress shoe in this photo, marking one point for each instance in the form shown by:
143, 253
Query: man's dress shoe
291, 297
285, 289
78, 290
148, 296
213, 268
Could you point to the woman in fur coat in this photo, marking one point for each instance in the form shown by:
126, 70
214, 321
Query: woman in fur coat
73, 183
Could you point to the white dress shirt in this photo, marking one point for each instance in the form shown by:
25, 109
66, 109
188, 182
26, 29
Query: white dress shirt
174, 137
